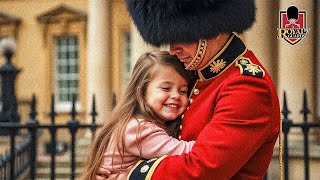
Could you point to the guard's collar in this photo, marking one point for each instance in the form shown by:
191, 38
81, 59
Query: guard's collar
225, 57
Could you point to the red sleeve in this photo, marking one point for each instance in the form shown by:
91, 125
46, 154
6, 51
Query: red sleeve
243, 121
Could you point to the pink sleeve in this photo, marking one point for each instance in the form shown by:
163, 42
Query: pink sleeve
155, 142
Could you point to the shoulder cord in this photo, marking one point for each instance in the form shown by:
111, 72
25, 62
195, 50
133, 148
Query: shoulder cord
280, 152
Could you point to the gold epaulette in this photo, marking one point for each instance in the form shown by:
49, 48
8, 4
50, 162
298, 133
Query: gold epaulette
248, 68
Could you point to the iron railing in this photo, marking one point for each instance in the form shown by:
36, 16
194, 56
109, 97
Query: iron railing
20, 157
33, 126
305, 126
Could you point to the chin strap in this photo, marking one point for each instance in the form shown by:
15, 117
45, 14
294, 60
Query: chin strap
199, 55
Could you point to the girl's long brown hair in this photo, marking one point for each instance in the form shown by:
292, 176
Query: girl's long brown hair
132, 104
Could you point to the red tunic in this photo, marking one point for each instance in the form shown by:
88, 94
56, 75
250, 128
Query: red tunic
234, 118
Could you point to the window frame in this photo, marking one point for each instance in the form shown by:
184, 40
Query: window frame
62, 105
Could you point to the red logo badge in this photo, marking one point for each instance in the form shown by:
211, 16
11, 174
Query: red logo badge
292, 25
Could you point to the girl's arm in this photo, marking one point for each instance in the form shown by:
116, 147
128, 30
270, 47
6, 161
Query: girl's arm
154, 141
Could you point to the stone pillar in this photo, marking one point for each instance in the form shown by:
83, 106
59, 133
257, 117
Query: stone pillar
296, 64
138, 46
262, 37
297, 73
99, 61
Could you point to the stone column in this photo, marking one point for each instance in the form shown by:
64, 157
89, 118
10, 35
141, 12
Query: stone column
297, 73
296, 64
138, 46
99, 61
262, 37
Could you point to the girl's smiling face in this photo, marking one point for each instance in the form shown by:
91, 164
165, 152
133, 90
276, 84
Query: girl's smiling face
166, 93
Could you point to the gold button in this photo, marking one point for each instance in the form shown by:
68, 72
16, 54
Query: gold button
179, 137
180, 127
182, 116
196, 91
144, 168
190, 101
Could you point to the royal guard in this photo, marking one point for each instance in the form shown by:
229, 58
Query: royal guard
234, 113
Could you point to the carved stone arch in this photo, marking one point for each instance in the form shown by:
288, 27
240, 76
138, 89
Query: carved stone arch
62, 16
9, 25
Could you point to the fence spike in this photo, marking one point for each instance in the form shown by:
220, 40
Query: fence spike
285, 111
94, 112
73, 127
52, 113
73, 110
305, 110
33, 112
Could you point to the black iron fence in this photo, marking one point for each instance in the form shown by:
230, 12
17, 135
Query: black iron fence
10, 163
23, 107
305, 126
20, 157
14, 163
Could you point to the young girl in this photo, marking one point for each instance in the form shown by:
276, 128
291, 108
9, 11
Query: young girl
144, 122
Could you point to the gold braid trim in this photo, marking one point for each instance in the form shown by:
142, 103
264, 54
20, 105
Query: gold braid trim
280, 152
199, 55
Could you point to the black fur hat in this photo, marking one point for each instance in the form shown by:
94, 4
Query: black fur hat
170, 21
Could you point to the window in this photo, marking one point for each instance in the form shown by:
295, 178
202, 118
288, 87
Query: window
66, 71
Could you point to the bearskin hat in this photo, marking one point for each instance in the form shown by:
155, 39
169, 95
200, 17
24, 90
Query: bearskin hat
163, 22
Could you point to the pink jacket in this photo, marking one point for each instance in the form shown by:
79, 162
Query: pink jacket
155, 142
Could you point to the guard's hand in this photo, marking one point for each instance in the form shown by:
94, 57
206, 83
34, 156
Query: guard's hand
103, 173
98, 177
